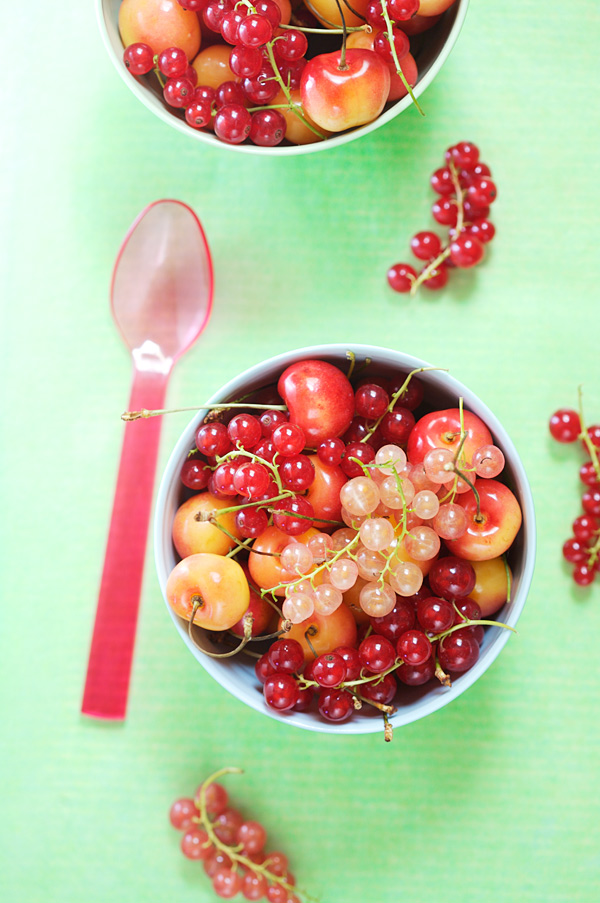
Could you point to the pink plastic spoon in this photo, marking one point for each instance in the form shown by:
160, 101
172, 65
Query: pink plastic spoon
161, 296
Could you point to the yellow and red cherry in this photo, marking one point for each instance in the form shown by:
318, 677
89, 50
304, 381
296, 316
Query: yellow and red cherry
191, 535
264, 616
491, 585
328, 13
492, 530
212, 66
325, 632
214, 585
434, 7
319, 398
340, 96
161, 24
264, 561
442, 429
324, 492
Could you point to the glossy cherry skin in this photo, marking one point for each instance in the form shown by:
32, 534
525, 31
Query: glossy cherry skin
493, 534
339, 99
441, 429
319, 398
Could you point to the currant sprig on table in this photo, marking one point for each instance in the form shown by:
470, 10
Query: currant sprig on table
582, 549
465, 191
266, 66
231, 847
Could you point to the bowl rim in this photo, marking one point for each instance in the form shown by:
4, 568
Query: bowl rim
438, 697
155, 106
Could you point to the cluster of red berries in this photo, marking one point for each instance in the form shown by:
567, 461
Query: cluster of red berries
418, 640
272, 438
231, 848
225, 109
466, 191
582, 549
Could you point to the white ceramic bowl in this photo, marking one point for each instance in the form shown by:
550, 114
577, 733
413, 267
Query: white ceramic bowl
436, 47
441, 390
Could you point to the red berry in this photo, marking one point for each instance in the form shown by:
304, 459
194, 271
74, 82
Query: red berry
139, 58
414, 647
376, 653
441, 181
280, 691
329, 670
466, 251
335, 705
565, 425
173, 62
458, 652
232, 123
268, 128
286, 656
425, 245
401, 277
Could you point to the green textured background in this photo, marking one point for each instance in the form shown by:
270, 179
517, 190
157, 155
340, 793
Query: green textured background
493, 798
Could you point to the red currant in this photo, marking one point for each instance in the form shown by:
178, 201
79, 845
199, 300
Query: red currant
401, 277
139, 58
565, 425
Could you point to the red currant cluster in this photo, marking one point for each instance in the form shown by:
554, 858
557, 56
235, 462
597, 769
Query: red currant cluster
434, 631
466, 191
231, 848
259, 72
582, 549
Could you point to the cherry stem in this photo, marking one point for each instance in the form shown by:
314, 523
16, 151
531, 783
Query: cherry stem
585, 436
352, 358
478, 518
390, 37
349, 28
343, 64
144, 413
395, 398
248, 620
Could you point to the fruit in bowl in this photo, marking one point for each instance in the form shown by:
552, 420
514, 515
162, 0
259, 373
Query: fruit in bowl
342, 537
272, 74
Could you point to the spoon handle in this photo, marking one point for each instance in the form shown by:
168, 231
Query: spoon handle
111, 652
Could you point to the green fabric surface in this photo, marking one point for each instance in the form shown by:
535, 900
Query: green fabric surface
493, 798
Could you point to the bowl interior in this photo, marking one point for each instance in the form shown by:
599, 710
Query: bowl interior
431, 49
441, 391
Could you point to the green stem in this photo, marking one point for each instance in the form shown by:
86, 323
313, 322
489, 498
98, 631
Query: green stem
395, 398
585, 436
293, 107
389, 33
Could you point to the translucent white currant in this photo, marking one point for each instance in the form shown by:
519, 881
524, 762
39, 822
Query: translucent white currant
328, 599
360, 496
390, 458
488, 461
298, 607
370, 563
437, 463
450, 522
297, 558
406, 578
343, 574
425, 504
376, 533
376, 600
341, 538
422, 543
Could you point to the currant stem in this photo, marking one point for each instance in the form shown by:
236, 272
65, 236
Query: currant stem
233, 852
585, 436
343, 64
395, 398
389, 33
144, 413
292, 106
349, 28
426, 273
